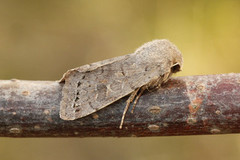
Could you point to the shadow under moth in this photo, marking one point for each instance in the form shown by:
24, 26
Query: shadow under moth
92, 87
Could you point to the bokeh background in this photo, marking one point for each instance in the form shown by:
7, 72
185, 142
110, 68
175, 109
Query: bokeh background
41, 39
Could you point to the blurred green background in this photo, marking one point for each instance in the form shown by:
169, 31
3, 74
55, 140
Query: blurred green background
40, 40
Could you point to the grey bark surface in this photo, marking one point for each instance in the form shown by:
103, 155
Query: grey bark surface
192, 105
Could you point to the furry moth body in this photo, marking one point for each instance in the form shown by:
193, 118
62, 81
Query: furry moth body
92, 87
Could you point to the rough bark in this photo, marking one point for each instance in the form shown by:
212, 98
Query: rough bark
192, 105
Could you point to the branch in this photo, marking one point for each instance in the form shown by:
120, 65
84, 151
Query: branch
191, 105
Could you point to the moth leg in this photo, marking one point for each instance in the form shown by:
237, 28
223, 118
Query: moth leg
137, 98
164, 79
159, 85
130, 99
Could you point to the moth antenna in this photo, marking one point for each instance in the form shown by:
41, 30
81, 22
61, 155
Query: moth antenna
130, 99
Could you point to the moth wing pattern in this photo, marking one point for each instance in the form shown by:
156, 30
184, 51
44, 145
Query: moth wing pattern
92, 87
91, 90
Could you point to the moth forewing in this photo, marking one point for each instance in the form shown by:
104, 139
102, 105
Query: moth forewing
92, 87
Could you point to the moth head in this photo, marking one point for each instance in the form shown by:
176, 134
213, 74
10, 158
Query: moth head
177, 60
175, 68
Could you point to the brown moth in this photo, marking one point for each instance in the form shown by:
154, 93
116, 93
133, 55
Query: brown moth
92, 87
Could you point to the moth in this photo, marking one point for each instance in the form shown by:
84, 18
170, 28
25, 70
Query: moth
92, 87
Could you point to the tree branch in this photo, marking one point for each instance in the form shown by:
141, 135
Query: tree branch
192, 105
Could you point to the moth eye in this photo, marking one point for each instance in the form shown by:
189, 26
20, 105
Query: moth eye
175, 68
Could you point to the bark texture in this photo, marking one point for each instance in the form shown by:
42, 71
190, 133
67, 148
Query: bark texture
192, 105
